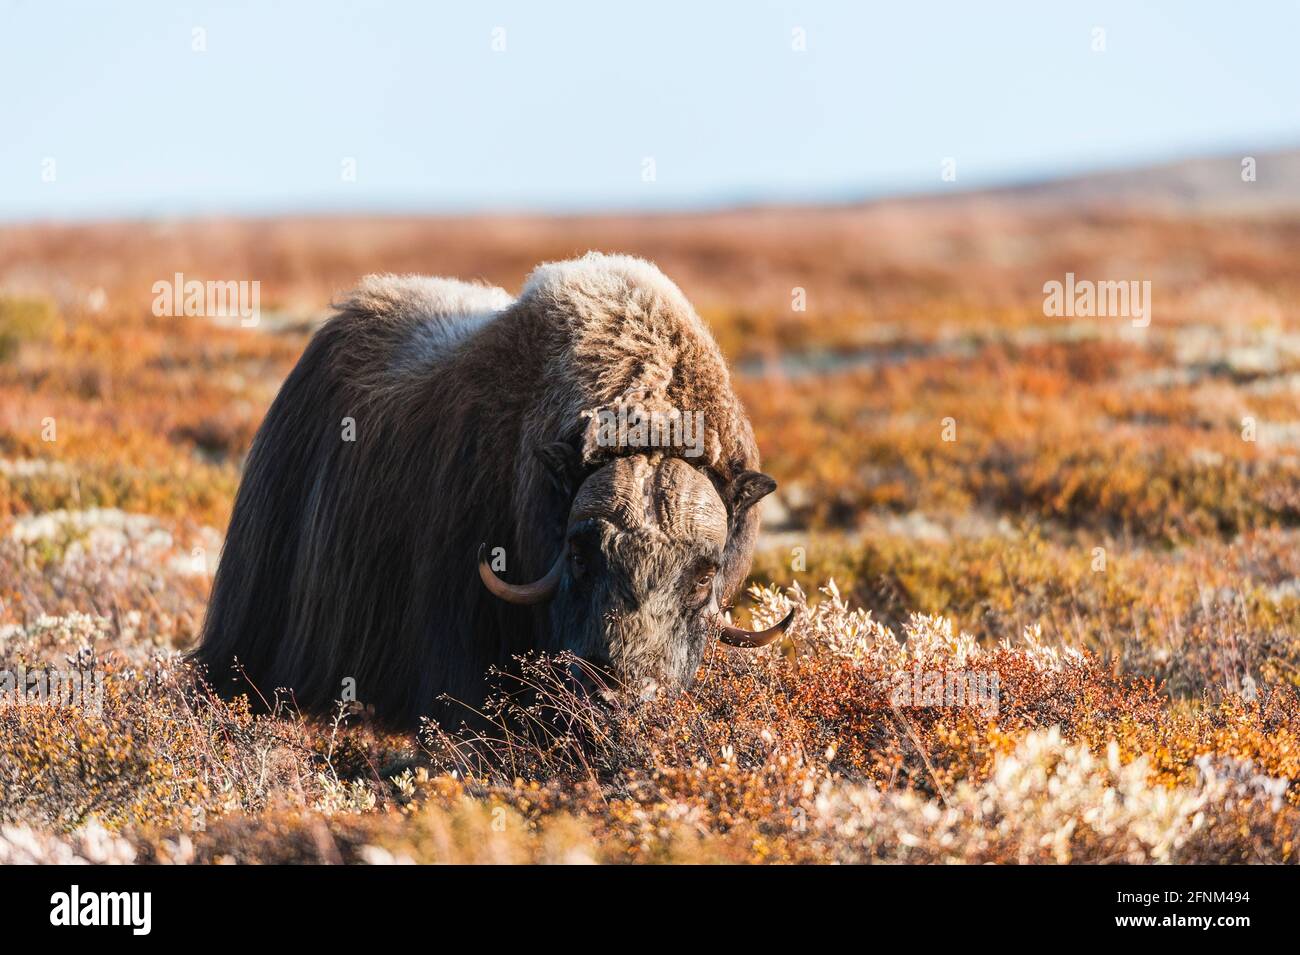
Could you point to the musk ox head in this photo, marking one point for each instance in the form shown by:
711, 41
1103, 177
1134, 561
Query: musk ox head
635, 589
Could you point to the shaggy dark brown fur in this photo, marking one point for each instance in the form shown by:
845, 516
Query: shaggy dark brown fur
354, 560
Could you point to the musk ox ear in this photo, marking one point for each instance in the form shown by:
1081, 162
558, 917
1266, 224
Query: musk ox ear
747, 489
563, 463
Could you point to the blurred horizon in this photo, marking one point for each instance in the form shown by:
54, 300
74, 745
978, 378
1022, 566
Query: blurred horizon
1045, 186
153, 112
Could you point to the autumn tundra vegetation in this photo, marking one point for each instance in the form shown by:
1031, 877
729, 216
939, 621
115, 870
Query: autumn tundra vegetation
1044, 566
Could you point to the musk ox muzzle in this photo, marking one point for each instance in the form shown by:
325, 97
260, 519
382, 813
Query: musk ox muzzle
637, 569
544, 588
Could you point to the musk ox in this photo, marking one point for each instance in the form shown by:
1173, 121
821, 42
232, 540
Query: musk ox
438, 438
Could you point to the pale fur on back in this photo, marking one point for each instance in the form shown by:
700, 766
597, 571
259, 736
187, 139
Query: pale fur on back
612, 330
442, 312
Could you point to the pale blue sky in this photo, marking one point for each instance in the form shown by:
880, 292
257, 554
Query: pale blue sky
140, 124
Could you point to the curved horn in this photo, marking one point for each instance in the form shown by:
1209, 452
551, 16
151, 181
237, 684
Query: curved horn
737, 637
532, 593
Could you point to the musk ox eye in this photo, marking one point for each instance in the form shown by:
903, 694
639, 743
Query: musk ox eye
577, 563
703, 587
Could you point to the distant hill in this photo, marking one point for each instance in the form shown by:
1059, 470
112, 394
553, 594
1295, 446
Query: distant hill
1208, 185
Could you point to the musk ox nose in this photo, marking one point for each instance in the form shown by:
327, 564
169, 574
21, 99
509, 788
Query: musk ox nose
593, 676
